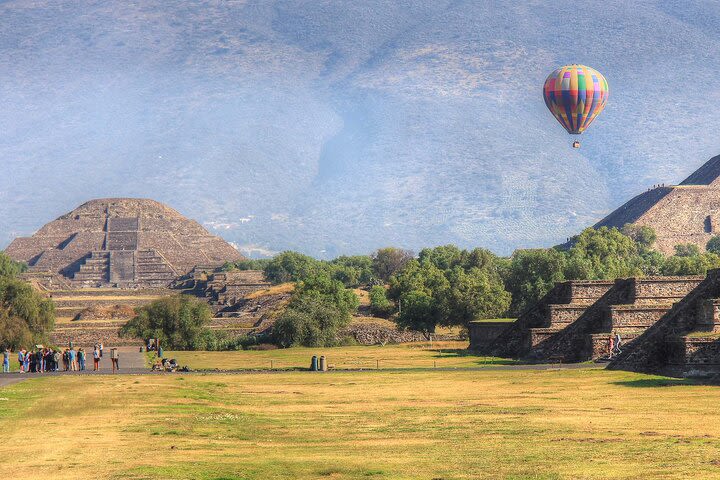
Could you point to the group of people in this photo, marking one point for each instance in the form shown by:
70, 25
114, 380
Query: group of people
46, 359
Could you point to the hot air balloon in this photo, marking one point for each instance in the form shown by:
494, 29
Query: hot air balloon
575, 95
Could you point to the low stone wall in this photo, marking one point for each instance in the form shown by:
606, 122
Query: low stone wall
373, 334
622, 316
662, 289
694, 356
584, 292
564, 314
482, 334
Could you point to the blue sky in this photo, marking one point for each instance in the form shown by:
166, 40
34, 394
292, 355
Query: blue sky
337, 127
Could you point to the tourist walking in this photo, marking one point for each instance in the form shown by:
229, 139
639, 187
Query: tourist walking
26, 361
96, 359
114, 358
6, 361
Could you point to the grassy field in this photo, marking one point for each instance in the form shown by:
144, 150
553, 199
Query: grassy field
408, 355
460, 424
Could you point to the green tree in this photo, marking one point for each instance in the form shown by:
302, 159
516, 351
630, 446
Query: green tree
532, 274
473, 295
604, 253
713, 245
319, 308
419, 311
388, 261
687, 250
179, 322
247, 264
643, 235
26, 317
10, 268
690, 265
353, 271
380, 305
292, 266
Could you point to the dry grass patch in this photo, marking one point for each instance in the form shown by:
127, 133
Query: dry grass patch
274, 290
454, 425
406, 355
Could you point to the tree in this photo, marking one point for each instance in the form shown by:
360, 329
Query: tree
292, 266
713, 245
531, 275
643, 235
380, 305
353, 271
690, 264
388, 261
9, 267
473, 295
448, 286
179, 322
319, 308
687, 250
26, 317
247, 264
604, 253
419, 311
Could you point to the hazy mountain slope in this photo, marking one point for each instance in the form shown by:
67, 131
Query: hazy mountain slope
338, 127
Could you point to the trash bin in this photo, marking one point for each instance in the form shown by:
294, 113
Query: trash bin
314, 364
323, 364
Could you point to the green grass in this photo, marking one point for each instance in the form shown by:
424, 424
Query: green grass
401, 356
452, 425
495, 320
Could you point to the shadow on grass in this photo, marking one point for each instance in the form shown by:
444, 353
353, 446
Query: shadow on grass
481, 359
661, 382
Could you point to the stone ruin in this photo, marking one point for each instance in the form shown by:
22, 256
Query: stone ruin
119, 242
685, 213
668, 325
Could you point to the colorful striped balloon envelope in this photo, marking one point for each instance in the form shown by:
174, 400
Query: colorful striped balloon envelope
575, 95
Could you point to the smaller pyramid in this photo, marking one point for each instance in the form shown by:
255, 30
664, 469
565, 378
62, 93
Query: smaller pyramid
121, 242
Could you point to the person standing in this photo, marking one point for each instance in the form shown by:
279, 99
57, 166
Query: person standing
96, 359
6, 360
81, 358
26, 361
101, 349
57, 356
21, 360
114, 358
73, 360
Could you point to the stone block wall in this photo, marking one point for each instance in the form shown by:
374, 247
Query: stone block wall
484, 333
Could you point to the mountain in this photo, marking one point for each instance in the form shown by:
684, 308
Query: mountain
336, 127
